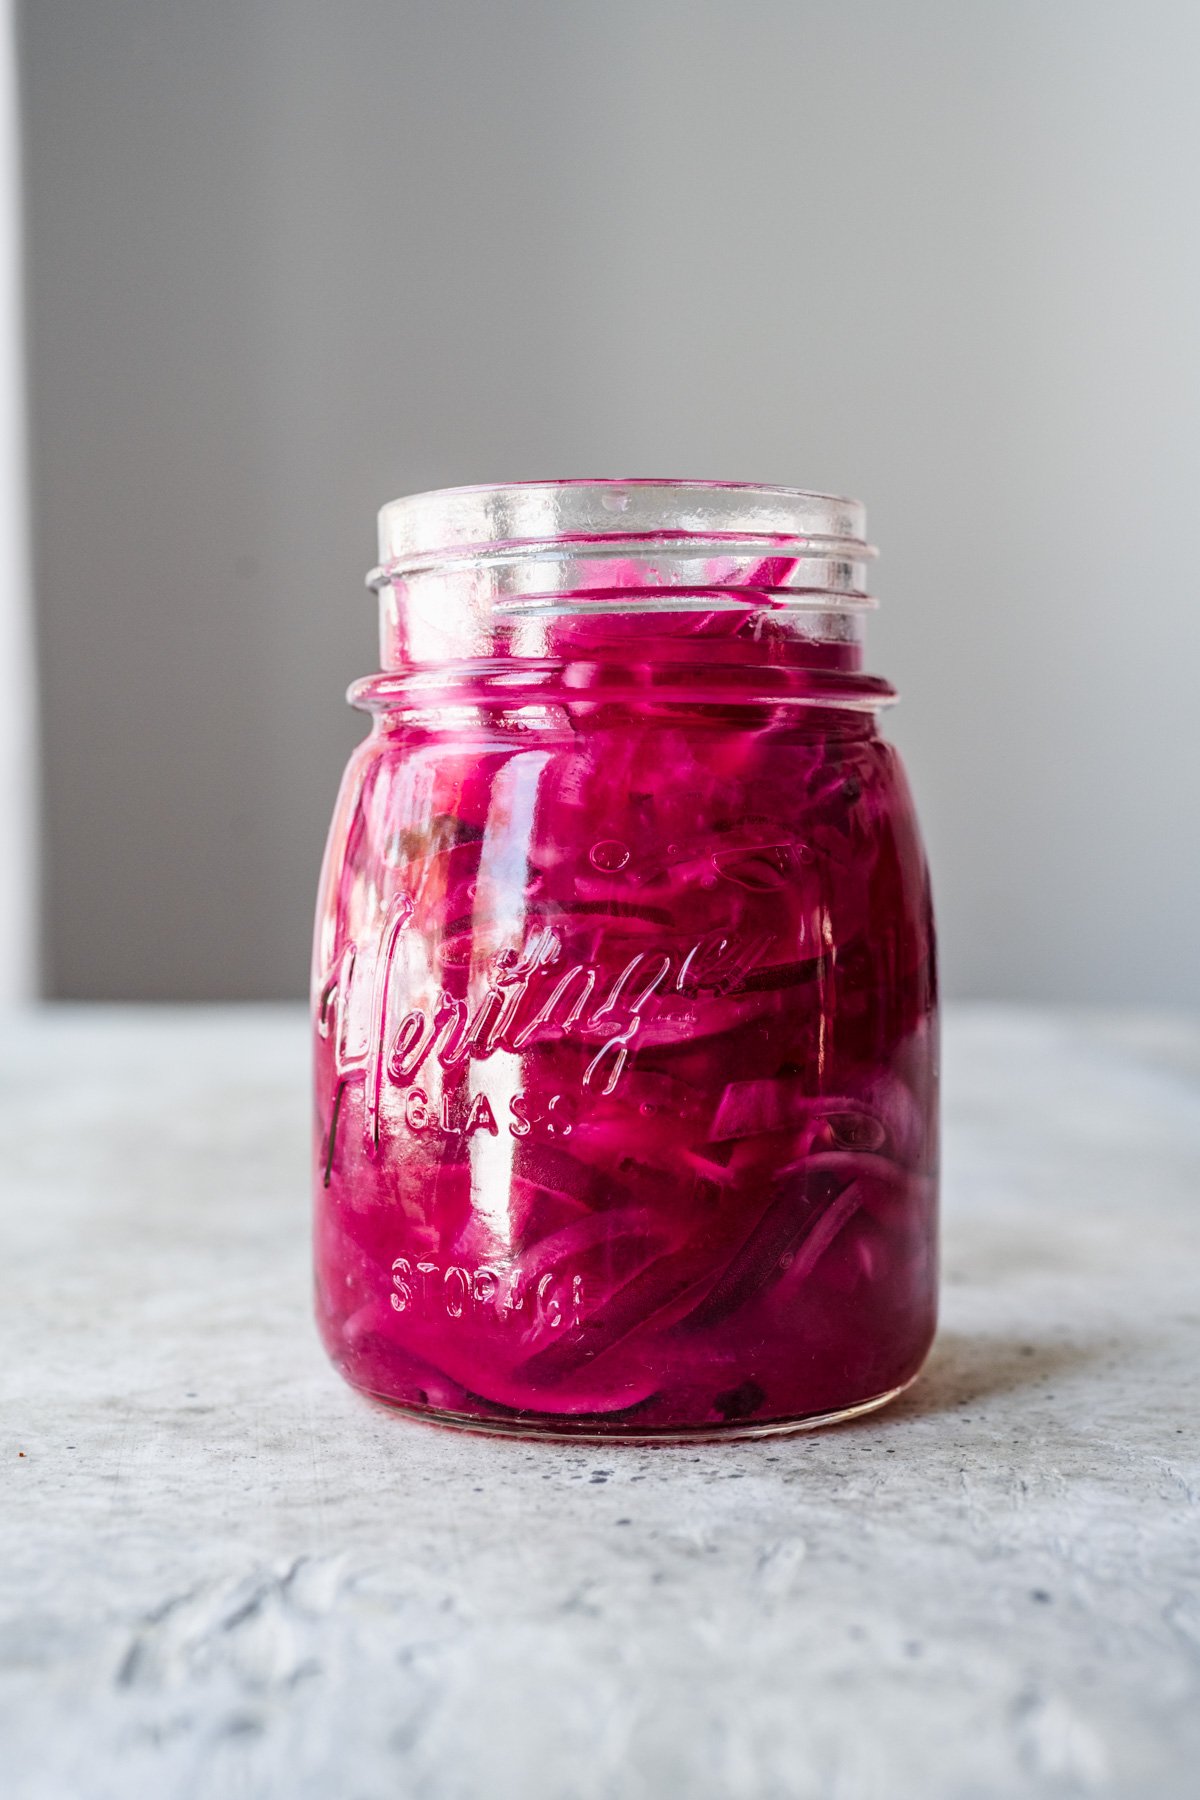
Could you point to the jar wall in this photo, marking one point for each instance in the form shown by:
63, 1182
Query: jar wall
626, 1066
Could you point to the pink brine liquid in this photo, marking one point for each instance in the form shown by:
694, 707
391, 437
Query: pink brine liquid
625, 1030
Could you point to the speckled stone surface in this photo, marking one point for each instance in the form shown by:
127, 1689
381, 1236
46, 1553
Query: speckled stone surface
223, 1574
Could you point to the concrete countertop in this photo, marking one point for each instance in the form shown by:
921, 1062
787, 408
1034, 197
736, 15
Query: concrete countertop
224, 1574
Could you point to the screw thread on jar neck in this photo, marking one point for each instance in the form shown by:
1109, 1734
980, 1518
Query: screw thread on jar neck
609, 573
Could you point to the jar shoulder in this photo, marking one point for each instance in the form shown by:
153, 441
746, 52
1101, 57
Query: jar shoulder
684, 827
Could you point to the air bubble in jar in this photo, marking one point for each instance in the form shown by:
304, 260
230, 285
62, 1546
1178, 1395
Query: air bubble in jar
609, 856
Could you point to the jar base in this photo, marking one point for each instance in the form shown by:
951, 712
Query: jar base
592, 1431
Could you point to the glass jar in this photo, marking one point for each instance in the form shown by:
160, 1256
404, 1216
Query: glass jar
624, 987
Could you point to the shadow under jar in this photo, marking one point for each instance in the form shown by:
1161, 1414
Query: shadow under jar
624, 986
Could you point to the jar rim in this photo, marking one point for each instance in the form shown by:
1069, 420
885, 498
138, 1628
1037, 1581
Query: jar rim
503, 519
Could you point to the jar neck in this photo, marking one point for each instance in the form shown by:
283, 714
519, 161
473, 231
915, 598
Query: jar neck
621, 586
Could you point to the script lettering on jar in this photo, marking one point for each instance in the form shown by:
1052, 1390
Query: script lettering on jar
528, 1000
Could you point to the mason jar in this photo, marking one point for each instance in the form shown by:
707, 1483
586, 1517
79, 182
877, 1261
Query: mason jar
624, 987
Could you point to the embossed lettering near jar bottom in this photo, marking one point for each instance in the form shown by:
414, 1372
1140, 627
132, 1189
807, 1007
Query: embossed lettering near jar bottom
624, 988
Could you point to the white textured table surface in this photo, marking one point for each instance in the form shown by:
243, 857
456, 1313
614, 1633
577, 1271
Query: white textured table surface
222, 1574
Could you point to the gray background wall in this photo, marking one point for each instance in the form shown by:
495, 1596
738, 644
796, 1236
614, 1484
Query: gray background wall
289, 258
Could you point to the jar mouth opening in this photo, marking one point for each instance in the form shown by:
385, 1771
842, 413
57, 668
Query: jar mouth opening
580, 516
